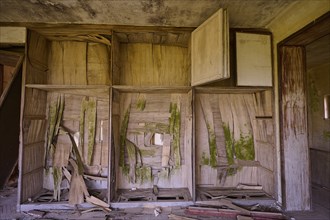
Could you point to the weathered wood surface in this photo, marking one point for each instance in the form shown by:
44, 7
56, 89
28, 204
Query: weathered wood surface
78, 63
144, 64
37, 58
294, 129
141, 122
239, 113
98, 64
210, 50
164, 38
13, 35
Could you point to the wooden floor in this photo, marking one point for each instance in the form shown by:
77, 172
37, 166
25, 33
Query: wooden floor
8, 198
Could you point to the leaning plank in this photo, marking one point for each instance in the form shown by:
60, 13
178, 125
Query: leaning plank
78, 187
96, 201
224, 202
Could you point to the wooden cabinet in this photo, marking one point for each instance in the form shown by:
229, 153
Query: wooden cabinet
128, 97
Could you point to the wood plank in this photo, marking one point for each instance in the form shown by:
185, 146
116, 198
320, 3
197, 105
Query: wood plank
152, 89
98, 64
33, 157
153, 65
294, 130
228, 90
31, 184
37, 58
67, 63
13, 35
36, 103
210, 54
266, 178
95, 91
34, 131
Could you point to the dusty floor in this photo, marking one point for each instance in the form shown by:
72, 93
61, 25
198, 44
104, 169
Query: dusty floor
8, 211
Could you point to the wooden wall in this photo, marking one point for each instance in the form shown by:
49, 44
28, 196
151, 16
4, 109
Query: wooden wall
146, 64
156, 110
248, 113
78, 63
54, 68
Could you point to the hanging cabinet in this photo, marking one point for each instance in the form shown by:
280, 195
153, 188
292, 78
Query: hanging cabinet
131, 90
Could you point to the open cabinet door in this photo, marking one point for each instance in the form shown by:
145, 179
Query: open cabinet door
210, 50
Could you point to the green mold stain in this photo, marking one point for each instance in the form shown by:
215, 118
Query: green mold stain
229, 144
123, 132
212, 147
141, 103
175, 122
147, 153
155, 127
143, 174
57, 176
125, 170
244, 148
205, 159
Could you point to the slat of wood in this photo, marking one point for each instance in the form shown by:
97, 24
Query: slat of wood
37, 58
34, 131
147, 64
33, 157
31, 184
67, 63
37, 102
98, 64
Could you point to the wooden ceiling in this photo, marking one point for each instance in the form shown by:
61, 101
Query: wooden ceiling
170, 13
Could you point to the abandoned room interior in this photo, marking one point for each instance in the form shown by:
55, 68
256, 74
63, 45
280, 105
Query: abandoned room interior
213, 109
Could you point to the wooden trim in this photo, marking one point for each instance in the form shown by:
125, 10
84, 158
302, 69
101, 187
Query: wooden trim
15, 73
21, 139
231, 90
194, 146
1, 78
311, 32
152, 89
111, 151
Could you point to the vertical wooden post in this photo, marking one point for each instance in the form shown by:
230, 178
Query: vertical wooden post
294, 139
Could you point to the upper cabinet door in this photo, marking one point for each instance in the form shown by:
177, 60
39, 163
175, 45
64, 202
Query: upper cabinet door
210, 50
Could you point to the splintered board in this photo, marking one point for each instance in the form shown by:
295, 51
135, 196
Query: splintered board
137, 117
146, 64
242, 121
73, 115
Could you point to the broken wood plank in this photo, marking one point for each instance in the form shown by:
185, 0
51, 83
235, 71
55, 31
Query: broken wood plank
224, 202
96, 201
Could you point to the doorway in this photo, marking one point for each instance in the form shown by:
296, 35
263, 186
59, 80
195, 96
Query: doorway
296, 129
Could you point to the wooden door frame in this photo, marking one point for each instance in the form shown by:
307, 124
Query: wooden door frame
310, 33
